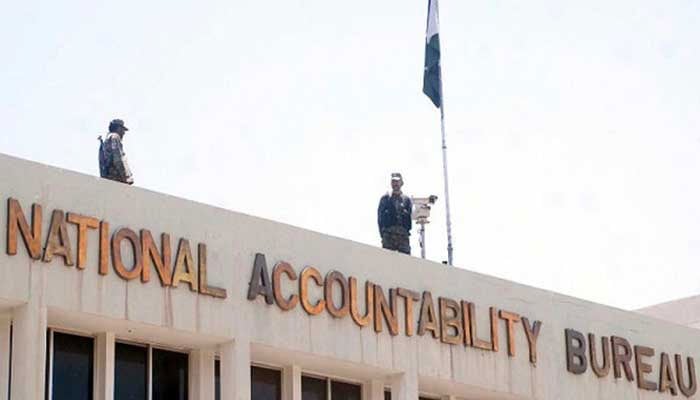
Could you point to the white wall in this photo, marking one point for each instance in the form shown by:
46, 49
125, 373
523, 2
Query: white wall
86, 301
684, 311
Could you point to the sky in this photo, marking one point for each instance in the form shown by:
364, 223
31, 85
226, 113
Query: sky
573, 128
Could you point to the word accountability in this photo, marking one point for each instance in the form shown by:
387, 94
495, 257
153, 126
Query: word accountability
454, 322
618, 352
144, 250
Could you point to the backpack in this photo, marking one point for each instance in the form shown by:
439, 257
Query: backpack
102, 158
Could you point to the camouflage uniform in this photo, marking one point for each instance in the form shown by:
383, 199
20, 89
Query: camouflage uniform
396, 238
117, 165
394, 219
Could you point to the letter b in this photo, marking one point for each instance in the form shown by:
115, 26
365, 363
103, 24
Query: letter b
576, 360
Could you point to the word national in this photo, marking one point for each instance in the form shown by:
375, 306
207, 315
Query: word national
452, 322
144, 251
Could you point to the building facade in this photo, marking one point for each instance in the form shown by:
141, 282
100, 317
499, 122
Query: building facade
115, 292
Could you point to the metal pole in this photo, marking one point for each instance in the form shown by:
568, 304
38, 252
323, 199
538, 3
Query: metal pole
422, 241
444, 169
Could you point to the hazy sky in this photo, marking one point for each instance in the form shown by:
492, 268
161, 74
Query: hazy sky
573, 127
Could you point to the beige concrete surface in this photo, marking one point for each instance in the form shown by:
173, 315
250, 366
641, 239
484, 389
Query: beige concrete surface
240, 331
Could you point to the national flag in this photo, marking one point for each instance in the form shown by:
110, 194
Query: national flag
432, 76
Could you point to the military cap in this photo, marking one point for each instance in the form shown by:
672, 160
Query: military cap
395, 176
117, 123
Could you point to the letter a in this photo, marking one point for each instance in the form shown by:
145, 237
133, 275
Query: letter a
260, 282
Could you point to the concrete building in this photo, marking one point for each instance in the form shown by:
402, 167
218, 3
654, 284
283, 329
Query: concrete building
115, 292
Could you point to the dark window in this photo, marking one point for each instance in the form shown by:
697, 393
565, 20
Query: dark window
313, 388
9, 357
345, 391
72, 367
47, 367
217, 380
130, 372
387, 395
169, 375
265, 384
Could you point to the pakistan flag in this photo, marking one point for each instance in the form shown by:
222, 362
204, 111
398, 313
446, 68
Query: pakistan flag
432, 85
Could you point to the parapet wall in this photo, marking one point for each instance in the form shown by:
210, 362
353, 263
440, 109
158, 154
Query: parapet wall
151, 267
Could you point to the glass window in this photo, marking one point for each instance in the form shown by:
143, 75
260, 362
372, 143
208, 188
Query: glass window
130, 372
265, 384
313, 388
47, 367
72, 367
169, 375
387, 395
217, 380
9, 357
345, 391
320, 388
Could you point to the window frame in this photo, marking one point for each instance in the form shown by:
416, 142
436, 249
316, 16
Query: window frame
334, 378
149, 358
48, 385
149, 363
273, 367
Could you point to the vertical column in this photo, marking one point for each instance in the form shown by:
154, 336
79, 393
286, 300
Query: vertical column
404, 386
291, 383
373, 390
28, 352
104, 366
5, 326
235, 370
201, 379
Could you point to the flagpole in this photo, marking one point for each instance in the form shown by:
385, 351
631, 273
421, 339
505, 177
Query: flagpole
444, 172
433, 60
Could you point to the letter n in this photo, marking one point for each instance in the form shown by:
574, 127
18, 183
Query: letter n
16, 221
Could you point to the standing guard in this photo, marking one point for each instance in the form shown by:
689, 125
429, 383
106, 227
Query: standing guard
113, 163
394, 217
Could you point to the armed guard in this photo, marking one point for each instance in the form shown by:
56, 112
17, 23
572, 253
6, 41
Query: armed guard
394, 217
113, 163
